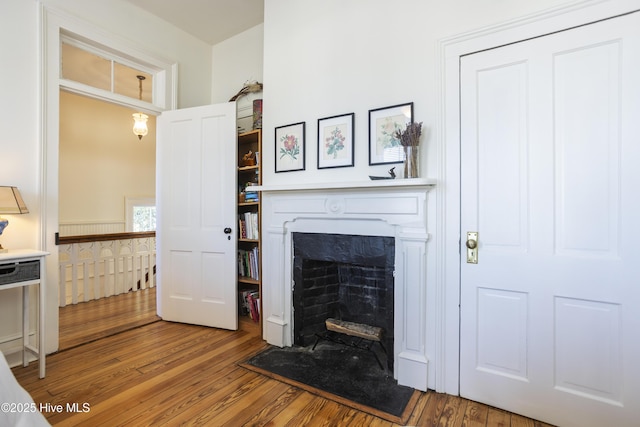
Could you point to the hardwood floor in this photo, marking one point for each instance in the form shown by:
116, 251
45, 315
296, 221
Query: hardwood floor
88, 321
166, 373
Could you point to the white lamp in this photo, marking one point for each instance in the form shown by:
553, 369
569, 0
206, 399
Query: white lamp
140, 119
140, 124
11, 203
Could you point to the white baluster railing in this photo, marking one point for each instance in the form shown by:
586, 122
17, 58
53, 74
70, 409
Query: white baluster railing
96, 269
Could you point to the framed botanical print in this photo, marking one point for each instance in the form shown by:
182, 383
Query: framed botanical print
384, 147
290, 147
335, 141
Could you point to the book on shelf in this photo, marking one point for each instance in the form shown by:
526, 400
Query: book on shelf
249, 190
249, 302
244, 303
254, 264
246, 188
248, 225
253, 300
248, 263
251, 197
242, 231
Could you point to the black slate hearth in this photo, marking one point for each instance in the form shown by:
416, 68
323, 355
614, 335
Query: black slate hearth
346, 372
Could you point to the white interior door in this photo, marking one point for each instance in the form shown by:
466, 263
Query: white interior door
550, 170
196, 202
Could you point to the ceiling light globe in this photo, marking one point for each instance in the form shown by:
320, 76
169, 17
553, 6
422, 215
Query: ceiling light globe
140, 125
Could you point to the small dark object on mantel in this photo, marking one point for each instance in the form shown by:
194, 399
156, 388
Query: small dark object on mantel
391, 173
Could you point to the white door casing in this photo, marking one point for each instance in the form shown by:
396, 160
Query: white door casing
195, 204
446, 216
53, 22
549, 147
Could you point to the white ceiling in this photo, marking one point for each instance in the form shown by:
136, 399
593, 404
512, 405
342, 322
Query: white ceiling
209, 20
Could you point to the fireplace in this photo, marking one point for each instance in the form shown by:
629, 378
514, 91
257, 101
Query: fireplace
344, 277
396, 212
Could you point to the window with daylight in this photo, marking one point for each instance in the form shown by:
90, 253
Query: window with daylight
141, 214
144, 218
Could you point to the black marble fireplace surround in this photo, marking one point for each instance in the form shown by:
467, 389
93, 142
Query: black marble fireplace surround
346, 277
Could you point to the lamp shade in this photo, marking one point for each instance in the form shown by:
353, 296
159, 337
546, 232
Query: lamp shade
140, 124
11, 201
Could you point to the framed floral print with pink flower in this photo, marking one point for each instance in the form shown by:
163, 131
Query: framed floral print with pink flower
290, 151
335, 141
384, 147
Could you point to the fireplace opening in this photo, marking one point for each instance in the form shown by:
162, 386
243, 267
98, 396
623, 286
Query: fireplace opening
343, 277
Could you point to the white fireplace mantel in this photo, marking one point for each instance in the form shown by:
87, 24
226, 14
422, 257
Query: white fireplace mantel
377, 183
395, 208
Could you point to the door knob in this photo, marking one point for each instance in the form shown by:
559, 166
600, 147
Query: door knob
227, 230
472, 244
472, 247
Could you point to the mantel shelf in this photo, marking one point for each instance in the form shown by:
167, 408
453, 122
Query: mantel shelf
378, 183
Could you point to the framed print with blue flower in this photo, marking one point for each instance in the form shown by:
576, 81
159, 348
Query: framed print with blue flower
384, 146
335, 141
290, 147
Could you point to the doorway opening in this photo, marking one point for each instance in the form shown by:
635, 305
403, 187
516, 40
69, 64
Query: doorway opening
96, 130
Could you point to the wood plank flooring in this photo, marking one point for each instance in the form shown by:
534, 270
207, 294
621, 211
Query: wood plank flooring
88, 321
166, 373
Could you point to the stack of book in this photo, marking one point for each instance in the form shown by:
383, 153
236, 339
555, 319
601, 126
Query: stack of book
251, 196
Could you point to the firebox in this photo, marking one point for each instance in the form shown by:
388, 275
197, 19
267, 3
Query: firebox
345, 277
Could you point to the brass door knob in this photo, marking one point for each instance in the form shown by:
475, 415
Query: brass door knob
472, 244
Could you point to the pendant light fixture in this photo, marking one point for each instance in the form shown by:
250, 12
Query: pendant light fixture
140, 119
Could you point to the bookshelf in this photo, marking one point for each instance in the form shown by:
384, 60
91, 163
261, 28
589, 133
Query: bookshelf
249, 224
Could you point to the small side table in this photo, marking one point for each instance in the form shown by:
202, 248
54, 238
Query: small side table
22, 268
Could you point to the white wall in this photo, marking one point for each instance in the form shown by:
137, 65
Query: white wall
18, 139
236, 61
18, 118
20, 112
101, 160
334, 57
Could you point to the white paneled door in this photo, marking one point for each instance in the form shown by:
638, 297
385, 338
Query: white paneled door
550, 171
196, 253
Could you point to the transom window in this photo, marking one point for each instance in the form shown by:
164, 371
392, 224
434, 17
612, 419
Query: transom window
98, 69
